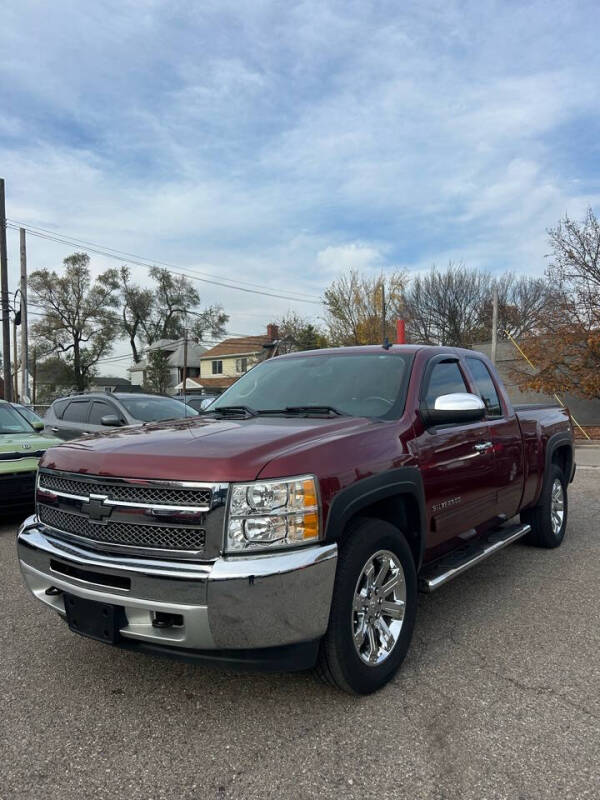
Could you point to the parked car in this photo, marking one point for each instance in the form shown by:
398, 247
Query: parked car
198, 401
292, 523
20, 449
36, 422
71, 417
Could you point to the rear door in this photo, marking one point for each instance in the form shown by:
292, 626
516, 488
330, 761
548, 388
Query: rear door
455, 460
505, 435
73, 422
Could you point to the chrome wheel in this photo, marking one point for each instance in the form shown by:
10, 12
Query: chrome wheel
378, 607
557, 506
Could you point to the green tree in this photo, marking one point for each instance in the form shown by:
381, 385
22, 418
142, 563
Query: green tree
137, 304
158, 372
298, 333
80, 321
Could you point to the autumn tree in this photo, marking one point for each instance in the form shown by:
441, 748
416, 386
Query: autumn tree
354, 307
80, 322
566, 353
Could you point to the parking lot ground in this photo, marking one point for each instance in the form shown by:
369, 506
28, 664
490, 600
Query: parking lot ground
498, 698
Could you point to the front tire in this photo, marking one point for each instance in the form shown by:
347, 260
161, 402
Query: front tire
373, 609
548, 519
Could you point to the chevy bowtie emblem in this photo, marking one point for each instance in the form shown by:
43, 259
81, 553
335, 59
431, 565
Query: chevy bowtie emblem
95, 507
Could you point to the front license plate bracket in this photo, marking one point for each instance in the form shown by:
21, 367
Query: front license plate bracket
101, 621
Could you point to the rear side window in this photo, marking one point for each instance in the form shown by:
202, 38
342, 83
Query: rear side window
485, 386
76, 411
59, 407
101, 409
445, 378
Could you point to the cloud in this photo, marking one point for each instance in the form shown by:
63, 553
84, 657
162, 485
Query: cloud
354, 255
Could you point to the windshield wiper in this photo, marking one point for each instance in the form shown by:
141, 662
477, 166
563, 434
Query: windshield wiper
232, 411
305, 411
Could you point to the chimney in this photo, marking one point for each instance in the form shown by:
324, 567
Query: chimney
272, 331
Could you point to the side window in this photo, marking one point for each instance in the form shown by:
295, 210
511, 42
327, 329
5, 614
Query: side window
59, 407
77, 411
100, 409
485, 386
445, 378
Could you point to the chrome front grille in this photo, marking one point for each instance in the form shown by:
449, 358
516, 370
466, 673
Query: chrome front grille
132, 492
152, 518
124, 533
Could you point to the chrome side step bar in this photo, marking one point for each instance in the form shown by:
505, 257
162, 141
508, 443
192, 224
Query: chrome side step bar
459, 561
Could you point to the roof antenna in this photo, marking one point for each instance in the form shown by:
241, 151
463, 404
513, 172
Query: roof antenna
386, 344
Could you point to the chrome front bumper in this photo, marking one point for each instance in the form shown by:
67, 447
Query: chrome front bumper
235, 603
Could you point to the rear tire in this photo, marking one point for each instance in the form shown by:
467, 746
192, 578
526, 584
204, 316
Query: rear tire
548, 519
373, 609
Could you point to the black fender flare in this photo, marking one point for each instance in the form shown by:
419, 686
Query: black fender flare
350, 501
559, 439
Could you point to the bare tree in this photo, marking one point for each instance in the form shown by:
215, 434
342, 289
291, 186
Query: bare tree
448, 307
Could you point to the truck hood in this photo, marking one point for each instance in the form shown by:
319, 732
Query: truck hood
197, 449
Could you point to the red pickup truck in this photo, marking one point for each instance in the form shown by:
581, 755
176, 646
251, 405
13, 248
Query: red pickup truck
292, 524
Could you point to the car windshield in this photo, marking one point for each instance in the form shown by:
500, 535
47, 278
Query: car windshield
11, 421
151, 409
361, 385
29, 415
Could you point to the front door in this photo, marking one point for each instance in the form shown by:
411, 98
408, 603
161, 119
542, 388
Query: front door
456, 462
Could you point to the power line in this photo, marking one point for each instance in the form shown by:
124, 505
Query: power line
138, 261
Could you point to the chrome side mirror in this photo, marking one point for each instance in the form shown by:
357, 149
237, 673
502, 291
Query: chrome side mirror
453, 409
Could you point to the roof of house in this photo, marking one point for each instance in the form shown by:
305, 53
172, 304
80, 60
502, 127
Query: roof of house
218, 383
240, 346
109, 380
195, 351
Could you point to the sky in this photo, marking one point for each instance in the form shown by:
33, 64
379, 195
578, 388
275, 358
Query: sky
281, 143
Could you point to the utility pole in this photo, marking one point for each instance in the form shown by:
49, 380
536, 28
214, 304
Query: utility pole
185, 360
15, 357
382, 311
494, 323
25, 397
4, 298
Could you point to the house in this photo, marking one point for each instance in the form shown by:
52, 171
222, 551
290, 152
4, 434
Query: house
224, 363
109, 383
174, 350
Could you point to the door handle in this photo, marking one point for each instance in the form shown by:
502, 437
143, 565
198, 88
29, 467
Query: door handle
483, 446
54, 430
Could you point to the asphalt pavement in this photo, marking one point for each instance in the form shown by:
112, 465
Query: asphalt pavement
498, 698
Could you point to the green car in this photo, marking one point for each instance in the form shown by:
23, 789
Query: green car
21, 445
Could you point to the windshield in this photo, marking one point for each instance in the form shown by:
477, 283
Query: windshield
151, 409
29, 415
11, 421
369, 385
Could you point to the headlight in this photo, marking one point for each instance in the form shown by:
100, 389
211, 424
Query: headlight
272, 514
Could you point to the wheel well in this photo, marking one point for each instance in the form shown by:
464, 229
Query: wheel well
401, 511
563, 457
